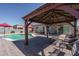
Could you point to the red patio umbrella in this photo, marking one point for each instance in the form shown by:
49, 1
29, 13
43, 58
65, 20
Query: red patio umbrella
5, 25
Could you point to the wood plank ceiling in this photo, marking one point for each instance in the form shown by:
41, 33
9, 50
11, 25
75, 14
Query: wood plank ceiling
52, 17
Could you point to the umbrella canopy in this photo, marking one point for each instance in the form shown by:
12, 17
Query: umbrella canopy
5, 25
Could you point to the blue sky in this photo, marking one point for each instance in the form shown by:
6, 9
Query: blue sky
13, 13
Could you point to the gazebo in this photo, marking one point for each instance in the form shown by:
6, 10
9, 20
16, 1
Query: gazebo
53, 13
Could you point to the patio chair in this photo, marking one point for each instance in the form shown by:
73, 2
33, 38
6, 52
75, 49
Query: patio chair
58, 45
59, 42
70, 43
64, 42
67, 41
61, 38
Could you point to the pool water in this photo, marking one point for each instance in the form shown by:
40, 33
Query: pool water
18, 36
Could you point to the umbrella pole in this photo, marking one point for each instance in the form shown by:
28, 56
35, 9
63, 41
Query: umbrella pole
4, 32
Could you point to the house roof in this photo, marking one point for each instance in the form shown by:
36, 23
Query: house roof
52, 13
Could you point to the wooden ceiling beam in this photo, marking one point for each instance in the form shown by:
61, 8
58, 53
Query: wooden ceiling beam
64, 15
62, 21
55, 16
66, 21
47, 16
39, 22
70, 24
42, 16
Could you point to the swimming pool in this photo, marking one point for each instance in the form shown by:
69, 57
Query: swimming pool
15, 37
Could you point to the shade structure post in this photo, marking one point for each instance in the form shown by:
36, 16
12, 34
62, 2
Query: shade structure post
26, 32
75, 26
47, 27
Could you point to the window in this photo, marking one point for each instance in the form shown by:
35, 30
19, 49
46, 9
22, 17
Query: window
66, 29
